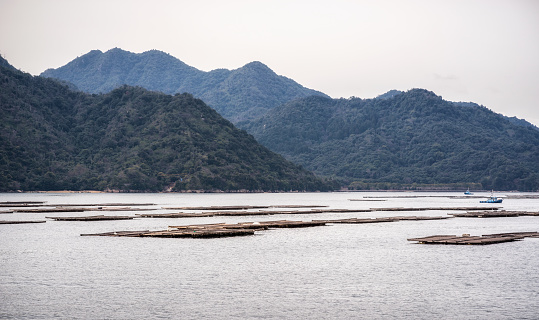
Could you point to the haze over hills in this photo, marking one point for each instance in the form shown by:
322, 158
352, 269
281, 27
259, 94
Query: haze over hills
53, 138
402, 139
240, 94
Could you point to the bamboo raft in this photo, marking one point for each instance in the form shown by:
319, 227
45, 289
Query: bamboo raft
509, 196
212, 230
199, 215
91, 218
424, 196
117, 233
217, 208
437, 209
243, 228
259, 225
20, 203
20, 221
359, 221
49, 210
523, 196
43, 204
79, 209
475, 240
388, 219
414, 218
494, 214
284, 224
245, 213
241, 207
297, 212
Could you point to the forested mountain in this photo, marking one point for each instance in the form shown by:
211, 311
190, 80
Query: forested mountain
4, 63
403, 140
513, 120
53, 138
244, 93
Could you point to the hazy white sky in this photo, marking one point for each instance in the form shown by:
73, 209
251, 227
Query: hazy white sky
484, 51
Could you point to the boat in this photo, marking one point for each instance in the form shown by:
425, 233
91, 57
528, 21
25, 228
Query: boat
468, 193
492, 199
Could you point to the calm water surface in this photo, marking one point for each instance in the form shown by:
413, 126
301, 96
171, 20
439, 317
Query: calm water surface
368, 271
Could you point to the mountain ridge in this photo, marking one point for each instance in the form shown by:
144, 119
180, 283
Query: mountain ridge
410, 138
130, 139
5, 63
238, 94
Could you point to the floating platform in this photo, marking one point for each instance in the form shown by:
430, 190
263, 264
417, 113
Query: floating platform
288, 224
259, 225
21, 221
508, 196
359, 221
528, 234
523, 196
494, 214
80, 209
43, 204
475, 240
378, 220
91, 218
414, 218
213, 230
437, 209
246, 213
203, 214
202, 233
50, 210
297, 212
117, 233
244, 228
242, 207
20, 203
239, 207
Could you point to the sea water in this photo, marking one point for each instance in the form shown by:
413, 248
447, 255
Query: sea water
338, 271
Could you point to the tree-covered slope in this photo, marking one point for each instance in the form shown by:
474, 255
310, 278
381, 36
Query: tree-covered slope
412, 137
36, 118
4, 63
244, 93
98, 72
129, 139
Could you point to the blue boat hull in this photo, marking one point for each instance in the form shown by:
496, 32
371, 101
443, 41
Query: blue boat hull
492, 201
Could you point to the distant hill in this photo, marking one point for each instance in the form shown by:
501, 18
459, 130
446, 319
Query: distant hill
130, 139
240, 94
403, 140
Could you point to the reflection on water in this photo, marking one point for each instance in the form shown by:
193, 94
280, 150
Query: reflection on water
332, 272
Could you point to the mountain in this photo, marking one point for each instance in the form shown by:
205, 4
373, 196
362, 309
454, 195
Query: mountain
513, 120
521, 122
408, 139
130, 139
5, 64
390, 94
240, 94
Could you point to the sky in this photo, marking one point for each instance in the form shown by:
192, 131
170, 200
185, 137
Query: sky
482, 51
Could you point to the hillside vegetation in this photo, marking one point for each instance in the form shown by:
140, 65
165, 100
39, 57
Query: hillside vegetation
240, 94
403, 140
130, 139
